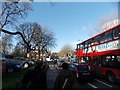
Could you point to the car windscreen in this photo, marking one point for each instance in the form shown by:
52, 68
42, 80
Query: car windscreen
83, 68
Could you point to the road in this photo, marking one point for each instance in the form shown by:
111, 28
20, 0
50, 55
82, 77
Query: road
97, 83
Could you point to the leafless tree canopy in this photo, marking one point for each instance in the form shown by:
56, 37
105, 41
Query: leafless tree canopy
36, 36
44, 38
6, 44
19, 50
28, 31
65, 50
12, 11
48, 39
32, 33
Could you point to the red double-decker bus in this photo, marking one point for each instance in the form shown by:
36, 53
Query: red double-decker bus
102, 53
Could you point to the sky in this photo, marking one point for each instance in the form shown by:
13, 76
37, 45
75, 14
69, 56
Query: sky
71, 22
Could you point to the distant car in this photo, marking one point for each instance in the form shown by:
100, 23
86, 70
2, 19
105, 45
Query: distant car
68, 61
55, 61
83, 72
74, 61
48, 59
60, 62
73, 67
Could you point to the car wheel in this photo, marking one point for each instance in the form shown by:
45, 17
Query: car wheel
25, 65
111, 77
10, 70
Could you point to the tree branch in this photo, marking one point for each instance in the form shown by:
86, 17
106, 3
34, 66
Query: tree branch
15, 33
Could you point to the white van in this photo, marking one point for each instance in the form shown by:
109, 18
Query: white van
48, 59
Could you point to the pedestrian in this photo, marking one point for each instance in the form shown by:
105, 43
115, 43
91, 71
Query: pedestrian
65, 79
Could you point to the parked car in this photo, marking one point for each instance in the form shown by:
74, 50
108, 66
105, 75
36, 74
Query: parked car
7, 64
12, 66
22, 61
30, 61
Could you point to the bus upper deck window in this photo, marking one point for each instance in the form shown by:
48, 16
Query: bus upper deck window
108, 36
97, 40
102, 38
116, 33
81, 46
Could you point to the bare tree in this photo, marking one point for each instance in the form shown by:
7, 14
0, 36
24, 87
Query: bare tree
28, 31
44, 39
36, 36
12, 11
48, 39
65, 51
19, 50
6, 44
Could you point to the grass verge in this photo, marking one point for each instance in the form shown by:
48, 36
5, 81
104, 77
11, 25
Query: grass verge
11, 80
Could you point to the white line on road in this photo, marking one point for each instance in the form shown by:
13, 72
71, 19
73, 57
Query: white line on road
92, 85
103, 83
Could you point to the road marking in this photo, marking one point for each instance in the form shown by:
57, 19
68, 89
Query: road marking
103, 83
92, 85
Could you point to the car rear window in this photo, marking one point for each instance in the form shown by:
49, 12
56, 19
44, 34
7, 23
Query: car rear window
83, 68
